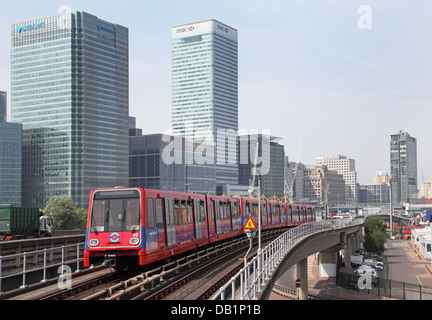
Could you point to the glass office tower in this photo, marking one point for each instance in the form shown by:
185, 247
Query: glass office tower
70, 91
3, 106
10, 163
403, 165
205, 89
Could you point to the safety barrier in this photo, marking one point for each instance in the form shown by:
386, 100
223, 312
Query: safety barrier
248, 282
48, 261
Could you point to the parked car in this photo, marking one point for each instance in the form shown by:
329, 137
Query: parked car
374, 266
374, 262
376, 257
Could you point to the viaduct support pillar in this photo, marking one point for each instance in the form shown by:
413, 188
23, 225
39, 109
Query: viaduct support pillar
302, 274
328, 262
349, 251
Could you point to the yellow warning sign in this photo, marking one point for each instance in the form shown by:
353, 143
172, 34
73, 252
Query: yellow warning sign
250, 224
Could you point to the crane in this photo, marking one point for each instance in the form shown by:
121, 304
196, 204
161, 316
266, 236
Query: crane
288, 188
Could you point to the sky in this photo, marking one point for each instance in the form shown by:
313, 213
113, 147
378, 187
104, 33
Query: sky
330, 77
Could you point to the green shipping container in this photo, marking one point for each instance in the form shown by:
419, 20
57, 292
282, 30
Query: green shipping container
19, 221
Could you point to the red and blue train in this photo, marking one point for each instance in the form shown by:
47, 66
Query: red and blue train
141, 226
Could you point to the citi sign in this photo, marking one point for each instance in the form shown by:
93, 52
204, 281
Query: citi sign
30, 27
186, 29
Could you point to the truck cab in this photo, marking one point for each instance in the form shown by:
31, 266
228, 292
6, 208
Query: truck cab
45, 226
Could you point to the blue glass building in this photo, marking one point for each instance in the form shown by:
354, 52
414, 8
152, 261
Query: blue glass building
10, 163
70, 91
3, 106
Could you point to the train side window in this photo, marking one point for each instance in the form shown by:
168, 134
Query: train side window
159, 213
229, 210
246, 210
202, 211
184, 213
177, 212
216, 210
189, 211
150, 214
222, 210
234, 209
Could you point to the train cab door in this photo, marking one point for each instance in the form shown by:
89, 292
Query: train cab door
170, 226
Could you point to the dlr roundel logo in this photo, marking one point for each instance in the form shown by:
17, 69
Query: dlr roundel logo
114, 237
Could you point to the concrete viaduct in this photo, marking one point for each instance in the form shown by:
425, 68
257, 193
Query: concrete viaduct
327, 243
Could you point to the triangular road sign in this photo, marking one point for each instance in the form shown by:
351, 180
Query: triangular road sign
250, 224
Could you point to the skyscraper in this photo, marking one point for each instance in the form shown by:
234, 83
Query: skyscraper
345, 167
270, 165
205, 89
403, 166
3, 106
70, 91
10, 163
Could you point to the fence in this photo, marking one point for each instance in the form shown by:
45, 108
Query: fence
385, 288
41, 260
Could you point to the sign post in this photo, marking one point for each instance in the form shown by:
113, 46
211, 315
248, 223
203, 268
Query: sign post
251, 231
298, 286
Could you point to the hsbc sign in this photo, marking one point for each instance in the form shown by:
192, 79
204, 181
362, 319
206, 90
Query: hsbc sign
185, 29
222, 28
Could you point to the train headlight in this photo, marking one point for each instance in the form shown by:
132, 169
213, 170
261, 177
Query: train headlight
134, 241
94, 242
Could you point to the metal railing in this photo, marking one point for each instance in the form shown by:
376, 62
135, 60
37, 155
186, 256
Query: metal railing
248, 282
383, 287
48, 262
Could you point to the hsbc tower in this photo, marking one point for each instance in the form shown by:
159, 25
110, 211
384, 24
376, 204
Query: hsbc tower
205, 87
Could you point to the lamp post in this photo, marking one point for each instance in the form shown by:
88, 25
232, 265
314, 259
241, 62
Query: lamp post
259, 210
391, 208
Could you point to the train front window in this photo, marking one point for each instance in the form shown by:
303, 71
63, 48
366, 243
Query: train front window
97, 218
115, 215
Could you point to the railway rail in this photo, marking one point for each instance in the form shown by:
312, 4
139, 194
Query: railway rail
198, 275
193, 277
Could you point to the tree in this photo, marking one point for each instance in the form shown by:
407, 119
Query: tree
375, 235
64, 214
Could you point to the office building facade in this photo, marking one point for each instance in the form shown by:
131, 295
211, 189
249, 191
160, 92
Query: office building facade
345, 167
10, 163
317, 185
205, 89
403, 166
164, 162
270, 163
70, 91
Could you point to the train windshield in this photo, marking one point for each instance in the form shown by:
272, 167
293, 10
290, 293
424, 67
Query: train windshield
115, 211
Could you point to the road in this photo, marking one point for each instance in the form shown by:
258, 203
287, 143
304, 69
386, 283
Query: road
404, 266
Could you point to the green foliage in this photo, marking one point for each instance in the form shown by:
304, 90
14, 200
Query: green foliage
375, 235
64, 214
